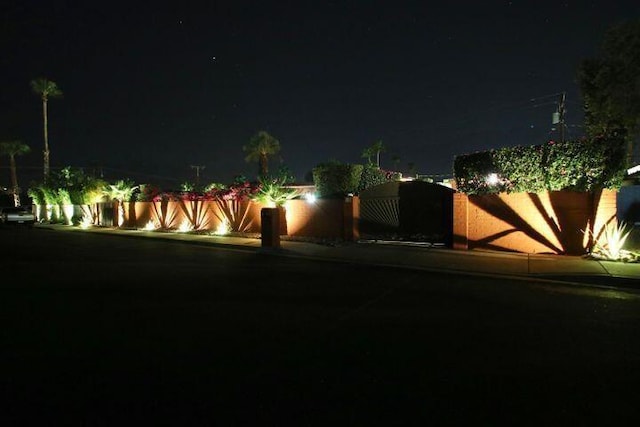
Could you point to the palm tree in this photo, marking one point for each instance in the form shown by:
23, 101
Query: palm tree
374, 150
13, 149
46, 89
260, 147
122, 191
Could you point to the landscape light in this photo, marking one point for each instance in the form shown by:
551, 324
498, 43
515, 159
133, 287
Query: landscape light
310, 197
86, 222
150, 226
492, 179
185, 227
223, 228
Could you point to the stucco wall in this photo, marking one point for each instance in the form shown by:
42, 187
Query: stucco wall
549, 222
322, 218
325, 218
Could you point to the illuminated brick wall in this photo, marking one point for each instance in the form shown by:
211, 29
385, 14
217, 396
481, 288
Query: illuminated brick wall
550, 222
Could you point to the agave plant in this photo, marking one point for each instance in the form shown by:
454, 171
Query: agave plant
610, 244
274, 192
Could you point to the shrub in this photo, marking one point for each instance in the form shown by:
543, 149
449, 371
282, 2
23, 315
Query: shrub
37, 195
335, 179
371, 176
583, 165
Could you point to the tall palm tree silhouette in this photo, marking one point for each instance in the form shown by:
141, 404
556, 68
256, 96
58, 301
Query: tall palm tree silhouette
46, 89
260, 147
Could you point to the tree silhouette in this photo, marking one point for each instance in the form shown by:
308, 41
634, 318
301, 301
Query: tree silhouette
610, 85
13, 149
46, 89
374, 150
260, 147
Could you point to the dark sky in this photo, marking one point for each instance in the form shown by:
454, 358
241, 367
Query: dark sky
154, 88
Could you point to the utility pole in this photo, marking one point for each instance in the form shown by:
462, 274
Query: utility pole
558, 117
197, 168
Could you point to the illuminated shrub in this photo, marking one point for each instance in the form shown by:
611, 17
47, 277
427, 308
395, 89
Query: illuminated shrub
583, 165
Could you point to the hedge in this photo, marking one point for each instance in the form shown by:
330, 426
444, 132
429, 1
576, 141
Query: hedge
583, 165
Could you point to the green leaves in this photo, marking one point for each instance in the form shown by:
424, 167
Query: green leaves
371, 176
45, 88
335, 179
274, 192
583, 165
610, 82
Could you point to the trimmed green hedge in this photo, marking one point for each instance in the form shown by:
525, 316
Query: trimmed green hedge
335, 179
371, 176
583, 165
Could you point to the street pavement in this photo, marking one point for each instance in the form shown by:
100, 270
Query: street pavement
579, 270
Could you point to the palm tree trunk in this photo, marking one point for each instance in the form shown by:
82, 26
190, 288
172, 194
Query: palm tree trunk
14, 180
263, 165
46, 139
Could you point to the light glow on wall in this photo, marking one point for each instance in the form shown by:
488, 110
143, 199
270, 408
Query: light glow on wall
39, 210
223, 228
150, 225
68, 213
86, 222
185, 227
545, 222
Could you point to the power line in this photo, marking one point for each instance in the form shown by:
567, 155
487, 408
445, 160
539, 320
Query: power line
551, 95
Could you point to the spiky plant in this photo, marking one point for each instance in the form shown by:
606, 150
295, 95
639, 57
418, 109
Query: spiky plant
610, 244
274, 192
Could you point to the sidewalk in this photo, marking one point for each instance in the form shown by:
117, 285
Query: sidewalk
572, 269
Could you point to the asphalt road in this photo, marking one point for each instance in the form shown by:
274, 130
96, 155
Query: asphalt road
100, 330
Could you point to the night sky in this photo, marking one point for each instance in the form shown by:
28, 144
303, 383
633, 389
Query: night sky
154, 88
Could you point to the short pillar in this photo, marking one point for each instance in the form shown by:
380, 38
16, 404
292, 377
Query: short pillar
351, 218
270, 227
460, 221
